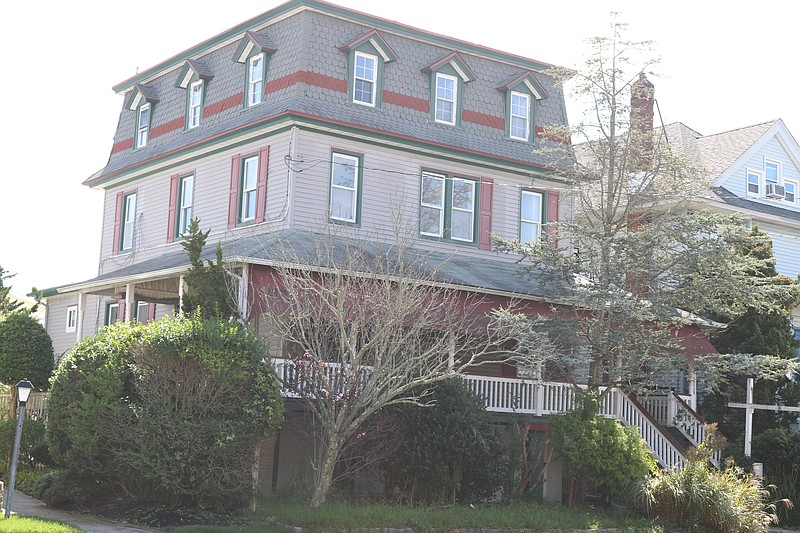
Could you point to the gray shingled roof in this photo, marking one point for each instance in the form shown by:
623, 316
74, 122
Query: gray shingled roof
716, 153
731, 199
300, 247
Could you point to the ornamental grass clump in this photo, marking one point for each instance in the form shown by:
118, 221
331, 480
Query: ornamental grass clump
701, 497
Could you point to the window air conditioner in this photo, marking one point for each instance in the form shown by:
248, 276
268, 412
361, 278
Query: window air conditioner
775, 191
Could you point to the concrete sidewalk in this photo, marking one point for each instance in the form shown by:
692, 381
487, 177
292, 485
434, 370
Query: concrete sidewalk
24, 505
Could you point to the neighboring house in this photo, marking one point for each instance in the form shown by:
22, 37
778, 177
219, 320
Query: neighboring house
311, 116
754, 171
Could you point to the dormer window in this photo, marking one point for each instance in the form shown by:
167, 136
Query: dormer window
446, 99
193, 77
521, 92
367, 56
142, 99
195, 104
365, 79
142, 125
254, 50
448, 76
255, 79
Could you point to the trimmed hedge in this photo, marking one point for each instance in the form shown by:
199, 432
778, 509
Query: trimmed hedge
26, 351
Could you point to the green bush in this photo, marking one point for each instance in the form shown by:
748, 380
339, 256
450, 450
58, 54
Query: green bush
32, 446
699, 496
450, 451
26, 351
169, 411
779, 450
600, 452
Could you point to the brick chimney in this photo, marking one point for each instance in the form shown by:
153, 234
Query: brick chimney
641, 149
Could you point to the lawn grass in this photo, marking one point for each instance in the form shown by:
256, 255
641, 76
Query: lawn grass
337, 517
26, 524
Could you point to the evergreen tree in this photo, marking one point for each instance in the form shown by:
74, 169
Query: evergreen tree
758, 331
208, 284
7, 303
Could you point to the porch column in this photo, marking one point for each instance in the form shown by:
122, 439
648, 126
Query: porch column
81, 311
181, 288
748, 419
129, 296
693, 390
539, 391
244, 292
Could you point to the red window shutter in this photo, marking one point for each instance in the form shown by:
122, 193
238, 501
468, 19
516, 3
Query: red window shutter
121, 310
173, 205
151, 311
552, 215
261, 191
485, 220
117, 224
233, 199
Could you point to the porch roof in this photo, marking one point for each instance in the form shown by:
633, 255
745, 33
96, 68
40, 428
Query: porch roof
301, 248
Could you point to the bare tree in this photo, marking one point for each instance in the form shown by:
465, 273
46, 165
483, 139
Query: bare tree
367, 325
637, 249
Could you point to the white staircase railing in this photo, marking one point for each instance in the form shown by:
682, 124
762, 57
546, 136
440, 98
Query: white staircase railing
523, 396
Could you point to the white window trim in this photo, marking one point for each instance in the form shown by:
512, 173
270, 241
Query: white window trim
778, 172
454, 101
441, 206
526, 118
195, 109
760, 183
128, 222
72, 319
795, 183
373, 81
109, 307
184, 209
536, 223
254, 95
244, 216
139, 305
471, 211
355, 161
142, 127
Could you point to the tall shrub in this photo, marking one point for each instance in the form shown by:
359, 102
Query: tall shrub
450, 451
170, 410
26, 350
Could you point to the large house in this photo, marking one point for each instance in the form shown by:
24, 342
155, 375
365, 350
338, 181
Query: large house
312, 116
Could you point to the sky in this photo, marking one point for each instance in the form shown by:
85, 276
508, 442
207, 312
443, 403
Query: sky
722, 68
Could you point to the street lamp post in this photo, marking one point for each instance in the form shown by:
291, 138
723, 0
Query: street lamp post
24, 388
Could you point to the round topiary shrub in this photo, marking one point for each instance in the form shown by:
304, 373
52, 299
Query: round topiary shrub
168, 411
26, 351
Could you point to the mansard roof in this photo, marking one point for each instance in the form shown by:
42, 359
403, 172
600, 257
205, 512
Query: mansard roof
293, 6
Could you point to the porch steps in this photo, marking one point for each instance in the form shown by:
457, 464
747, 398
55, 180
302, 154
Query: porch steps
680, 438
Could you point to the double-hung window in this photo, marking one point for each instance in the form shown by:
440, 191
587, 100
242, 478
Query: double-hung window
530, 216
520, 116
771, 172
255, 79
446, 98
195, 104
72, 319
185, 203
365, 74
142, 312
431, 214
345, 184
249, 189
128, 222
448, 207
790, 191
142, 125
753, 182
